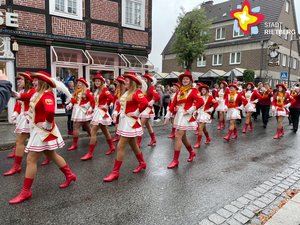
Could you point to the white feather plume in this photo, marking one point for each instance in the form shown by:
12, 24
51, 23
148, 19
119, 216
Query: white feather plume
60, 86
144, 84
154, 82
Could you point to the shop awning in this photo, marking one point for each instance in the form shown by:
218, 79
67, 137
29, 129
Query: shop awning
213, 73
236, 72
69, 56
138, 61
106, 59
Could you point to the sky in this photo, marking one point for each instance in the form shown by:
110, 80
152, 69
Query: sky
164, 21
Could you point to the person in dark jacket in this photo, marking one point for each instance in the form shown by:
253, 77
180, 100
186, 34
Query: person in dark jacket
5, 89
295, 108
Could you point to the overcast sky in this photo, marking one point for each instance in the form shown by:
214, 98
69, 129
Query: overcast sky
164, 21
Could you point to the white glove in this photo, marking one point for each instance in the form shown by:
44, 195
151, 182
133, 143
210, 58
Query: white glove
89, 111
273, 108
151, 103
287, 105
255, 101
46, 125
210, 110
69, 106
15, 94
168, 115
191, 110
217, 99
14, 117
135, 113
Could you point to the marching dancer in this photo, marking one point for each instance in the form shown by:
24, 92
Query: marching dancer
220, 97
295, 107
101, 117
44, 135
187, 101
280, 107
176, 88
132, 103
83, 104
265, 103
204, 114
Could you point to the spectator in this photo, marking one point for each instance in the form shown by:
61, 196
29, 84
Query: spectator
166, 98
71, 88
158, 105
5, 89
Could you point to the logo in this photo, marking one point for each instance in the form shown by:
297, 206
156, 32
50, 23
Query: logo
247, 19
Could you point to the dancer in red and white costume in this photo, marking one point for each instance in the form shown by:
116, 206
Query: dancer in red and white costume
176, 88
221, 95
120, 90
204, 114
20, 117
187, 101
233, 102
101, 117
44, 135
83, 104
280, 107
152, 97
252, 96
132, 103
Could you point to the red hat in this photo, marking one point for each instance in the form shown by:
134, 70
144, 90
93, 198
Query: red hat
234, 85
82, 80
120, 79
44, 76
132, 76
99, 76
204, 86
199, 84
185, 74
148, 77
177, 85
251, 83
224, 82
281, 85
26, 75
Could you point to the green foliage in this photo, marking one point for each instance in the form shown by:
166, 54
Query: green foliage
191, 36
220, 78
249, 75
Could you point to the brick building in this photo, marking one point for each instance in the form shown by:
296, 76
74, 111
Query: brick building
75, 37
230, 51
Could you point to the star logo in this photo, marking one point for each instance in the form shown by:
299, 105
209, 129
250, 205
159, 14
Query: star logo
246, 17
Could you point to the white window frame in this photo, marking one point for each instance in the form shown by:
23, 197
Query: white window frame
239, 34
65, 14
143, 14
286, 35
294, 63
219, 62
284, 60
287, 6
201, 61
222, 33
234, 54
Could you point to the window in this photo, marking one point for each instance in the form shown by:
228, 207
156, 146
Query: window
285, 33
235, 58
133, 14
201, 61
238, 34
220, 33
294, 63
287, 6
283, 60
66, 8
279, 32
217, 60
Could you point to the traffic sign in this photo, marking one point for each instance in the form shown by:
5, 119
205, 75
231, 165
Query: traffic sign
284, 75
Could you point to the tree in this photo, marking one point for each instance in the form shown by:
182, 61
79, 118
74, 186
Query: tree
191, 36
249, 75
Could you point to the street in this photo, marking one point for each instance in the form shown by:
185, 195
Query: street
220, 173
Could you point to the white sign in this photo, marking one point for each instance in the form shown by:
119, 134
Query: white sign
9, 19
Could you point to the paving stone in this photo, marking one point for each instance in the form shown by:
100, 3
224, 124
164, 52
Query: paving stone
291, 180
255, 209
270, 196
287, 183
269, 183
260, 190
265, 200
243, 200
248, 213
295, 166
237, 204
206, 222
297, 174
279, 189
278, 178
267, 187
267, 211
239, 217
259, 204
224, 213
275, 192
274, 181
281, 175
255, 193
294, 178
233, 222
285, 187
217, 219
250, 197
231, 208
256, 221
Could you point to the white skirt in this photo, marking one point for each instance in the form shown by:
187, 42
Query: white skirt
36, 143
203, 117
233, 114
284, 113
79, 114
182, 122
98, 117
250, 107
125, 126
22, 124
148, 113
221, 107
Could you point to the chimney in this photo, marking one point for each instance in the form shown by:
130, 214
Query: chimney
207, 4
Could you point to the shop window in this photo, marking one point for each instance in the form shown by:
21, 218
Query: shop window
133, 14
107, 74
66, 8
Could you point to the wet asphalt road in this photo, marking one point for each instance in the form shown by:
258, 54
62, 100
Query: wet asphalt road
221, 173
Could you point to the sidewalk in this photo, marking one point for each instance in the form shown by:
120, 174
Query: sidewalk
8, 137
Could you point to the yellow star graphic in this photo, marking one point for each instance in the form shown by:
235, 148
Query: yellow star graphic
245, 19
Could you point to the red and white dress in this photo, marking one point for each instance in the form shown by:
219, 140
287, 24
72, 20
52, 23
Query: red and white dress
130, 126
153, 96
44, 134
233, 102
81, 107
186, 103
204, 113
252, 98
281, 103
220, 97
102, 102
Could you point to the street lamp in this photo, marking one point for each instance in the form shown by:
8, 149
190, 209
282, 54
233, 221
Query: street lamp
290, 60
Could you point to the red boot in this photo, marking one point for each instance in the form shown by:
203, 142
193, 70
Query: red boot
115, 173
227, 138
198, 143
208, 139
251, 126
25, 194
172, 135
153, 140
281, 132
277, 135
175, 161
235, 134
69, 176
13, 154
220, 125
116, 138
112, 148
223, 124
16, 168
74, 144
89, 155
192, 153
245, 128
139, 140
46, 162
142, 164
